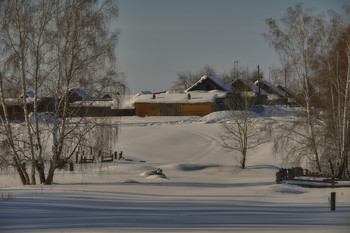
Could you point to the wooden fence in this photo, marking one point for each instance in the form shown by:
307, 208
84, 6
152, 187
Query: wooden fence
102, 156
305, 178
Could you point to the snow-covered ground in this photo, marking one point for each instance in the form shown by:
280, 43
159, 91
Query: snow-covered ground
202, 189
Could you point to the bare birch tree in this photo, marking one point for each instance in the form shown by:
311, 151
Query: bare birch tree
295, 37
243, 131
331, 65
52, 47
338, 104
187, 79
317, 48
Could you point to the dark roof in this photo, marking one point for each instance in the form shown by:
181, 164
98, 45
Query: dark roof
219, 83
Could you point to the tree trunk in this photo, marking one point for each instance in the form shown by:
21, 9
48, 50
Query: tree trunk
50, 174
40, 167
22, 173
311, 125
6, 123
346, 122
22, 69
244, 158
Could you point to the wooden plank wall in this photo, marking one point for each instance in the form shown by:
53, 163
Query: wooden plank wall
178, 109
146, 109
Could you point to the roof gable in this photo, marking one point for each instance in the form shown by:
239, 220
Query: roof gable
272, 88
78, 94
247, 85
217, 83
289, 92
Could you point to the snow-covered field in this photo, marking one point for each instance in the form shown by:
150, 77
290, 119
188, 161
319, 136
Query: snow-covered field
202, 190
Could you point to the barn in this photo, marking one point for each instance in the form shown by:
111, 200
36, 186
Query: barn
194, 103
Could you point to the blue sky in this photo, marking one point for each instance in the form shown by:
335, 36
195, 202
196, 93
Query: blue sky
159, 38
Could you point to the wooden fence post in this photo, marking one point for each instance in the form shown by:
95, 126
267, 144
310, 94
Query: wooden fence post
332, 201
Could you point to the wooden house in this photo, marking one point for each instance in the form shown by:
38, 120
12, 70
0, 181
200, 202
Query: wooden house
293, 99
209, 83
249, 90
275, 94
196, 103
14, 107
76, 94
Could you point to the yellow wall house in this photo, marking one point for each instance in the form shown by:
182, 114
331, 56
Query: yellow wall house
196, 103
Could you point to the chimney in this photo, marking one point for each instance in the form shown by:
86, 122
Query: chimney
189, 96
154, 96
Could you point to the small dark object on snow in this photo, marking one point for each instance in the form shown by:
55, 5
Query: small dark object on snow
159, 171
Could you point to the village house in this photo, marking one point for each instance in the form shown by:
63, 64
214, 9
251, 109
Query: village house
250, 91
275, 94
80, 105
193, 103
209, 83
83, 105
207, 95
293, 99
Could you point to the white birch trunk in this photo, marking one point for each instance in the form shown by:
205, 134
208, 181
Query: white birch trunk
346, 121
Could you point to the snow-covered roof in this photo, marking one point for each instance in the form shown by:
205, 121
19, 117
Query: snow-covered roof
142, 93
196, 97
81, 93
288, 91
30, 94
93, 103
19, 101
252, 86
219, 93
226, 86
273, 87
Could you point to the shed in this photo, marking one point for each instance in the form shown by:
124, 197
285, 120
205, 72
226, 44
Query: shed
196, 103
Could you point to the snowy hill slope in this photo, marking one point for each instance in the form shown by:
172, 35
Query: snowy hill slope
202, 190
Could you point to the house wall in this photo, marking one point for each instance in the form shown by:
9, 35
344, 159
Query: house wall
174, 109
197, 109
16, 112
99, 112
146, 109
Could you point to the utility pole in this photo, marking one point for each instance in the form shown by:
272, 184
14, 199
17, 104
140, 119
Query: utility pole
235, 68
